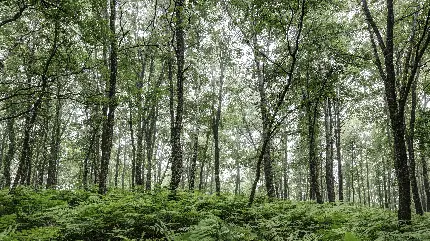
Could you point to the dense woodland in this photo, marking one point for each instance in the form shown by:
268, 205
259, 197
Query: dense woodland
226, 105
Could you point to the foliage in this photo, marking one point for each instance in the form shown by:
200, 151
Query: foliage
120, 215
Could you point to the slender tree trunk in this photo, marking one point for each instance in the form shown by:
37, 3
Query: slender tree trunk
285, 169
313, 162
380, 196
360, 177
338, 149
10, 127
215, 128
3, 144
151, 130
352, 172
109, 121
44, 158
411, 152
141, 124
329, 179
55, 144
202, 162
90, 151
425, 178
191, 179
384, 183
117, 163
238, 178
133, 147
139, 151
367, 182
95, 163
177, 130
150, 144
124, 158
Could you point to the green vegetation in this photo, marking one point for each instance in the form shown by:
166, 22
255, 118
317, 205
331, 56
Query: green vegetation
306, 119
121, 215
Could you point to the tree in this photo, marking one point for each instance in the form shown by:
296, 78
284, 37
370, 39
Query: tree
109, 107
176, 166
397, 89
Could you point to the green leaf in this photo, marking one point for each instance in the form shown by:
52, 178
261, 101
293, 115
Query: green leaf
350, 237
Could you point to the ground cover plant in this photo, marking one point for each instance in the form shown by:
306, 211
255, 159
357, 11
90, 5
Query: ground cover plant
122, 215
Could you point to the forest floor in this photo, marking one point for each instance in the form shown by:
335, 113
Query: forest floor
123, 215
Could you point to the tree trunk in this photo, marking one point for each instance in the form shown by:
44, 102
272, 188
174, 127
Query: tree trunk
44, 158
141, 122
238, 178
139, 150
109, 120
338, 150
425, 177
329, 179
10, 127
385, 184
117, 163
150, 128
177, 129
193, 164
133, 147
123, 169
313, 162
55, 144
215, 127
352, 171
411, 152
202, 163
367, 182
285, 168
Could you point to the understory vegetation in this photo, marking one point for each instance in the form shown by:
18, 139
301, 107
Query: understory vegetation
124, 215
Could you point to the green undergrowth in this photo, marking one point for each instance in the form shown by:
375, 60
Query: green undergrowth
121, 215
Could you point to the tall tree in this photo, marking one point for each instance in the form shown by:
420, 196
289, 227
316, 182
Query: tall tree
55, 143
109, 107
397, 89
216, 122
410, 136
180, 78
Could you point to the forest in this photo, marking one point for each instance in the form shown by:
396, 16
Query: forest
214, 120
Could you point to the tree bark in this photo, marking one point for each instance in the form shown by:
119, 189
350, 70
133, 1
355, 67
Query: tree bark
133, 146
55, 144
109, 120
313, 162
10, 126
150, 129
329, 179
215, 127
193, 164
202, 163
177, 129
285, 167
425, 176
410, 141
117, 163
338, 148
